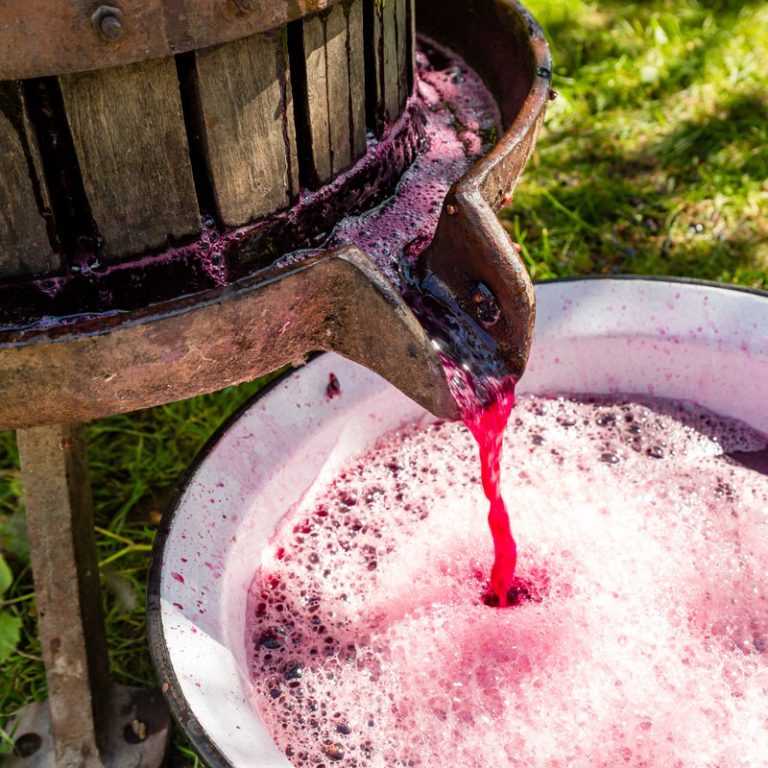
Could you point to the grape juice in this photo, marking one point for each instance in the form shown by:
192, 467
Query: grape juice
485, 403
642, 636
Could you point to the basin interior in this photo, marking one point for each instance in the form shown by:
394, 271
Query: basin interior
663, 339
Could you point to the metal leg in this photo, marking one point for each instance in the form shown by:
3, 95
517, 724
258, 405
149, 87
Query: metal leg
89, 722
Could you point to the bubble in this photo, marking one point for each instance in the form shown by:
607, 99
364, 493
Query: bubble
295, 672
334, 751
271, 639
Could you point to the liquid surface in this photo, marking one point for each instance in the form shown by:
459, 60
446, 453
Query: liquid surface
641, 639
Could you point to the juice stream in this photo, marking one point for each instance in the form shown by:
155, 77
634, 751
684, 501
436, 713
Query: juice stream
485, 406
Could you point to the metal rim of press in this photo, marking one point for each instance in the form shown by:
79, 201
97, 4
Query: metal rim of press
39, 38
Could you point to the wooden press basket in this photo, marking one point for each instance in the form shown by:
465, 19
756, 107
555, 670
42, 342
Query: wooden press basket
120, 125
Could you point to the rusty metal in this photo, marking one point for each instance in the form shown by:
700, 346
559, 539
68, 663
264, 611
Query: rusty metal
471, 247
63, 554
83, 721
40, 37
196, 344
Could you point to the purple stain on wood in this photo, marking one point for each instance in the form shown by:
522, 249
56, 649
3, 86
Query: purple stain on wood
422, 153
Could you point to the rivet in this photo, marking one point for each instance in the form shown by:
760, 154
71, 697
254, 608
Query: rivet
486, 305
108, 22
451, 209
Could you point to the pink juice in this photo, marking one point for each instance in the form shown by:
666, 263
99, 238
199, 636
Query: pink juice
643, 641
485, 405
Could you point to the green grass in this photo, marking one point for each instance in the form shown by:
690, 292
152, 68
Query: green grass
654, 160
654, 157
135, 461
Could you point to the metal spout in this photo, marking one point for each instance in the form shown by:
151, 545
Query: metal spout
474, 259
192, 344
471, 248
472, 251
337, 301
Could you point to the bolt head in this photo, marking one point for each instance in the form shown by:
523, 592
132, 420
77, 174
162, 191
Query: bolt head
487, 307
108, 22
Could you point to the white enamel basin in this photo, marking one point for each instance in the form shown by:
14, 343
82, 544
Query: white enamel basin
700, 342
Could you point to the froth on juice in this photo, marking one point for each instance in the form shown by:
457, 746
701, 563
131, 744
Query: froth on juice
642, 539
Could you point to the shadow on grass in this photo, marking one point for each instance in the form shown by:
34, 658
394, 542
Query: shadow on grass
704, 29
672, 197
702, 140
654, 210
723, 7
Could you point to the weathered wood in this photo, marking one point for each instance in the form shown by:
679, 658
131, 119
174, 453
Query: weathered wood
333, 51
129, 135
57, 500
247, 126
391, 42
402, 43
24, 244
356, 70
410, 58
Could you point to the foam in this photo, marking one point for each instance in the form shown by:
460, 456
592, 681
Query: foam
643, 642
461, 123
